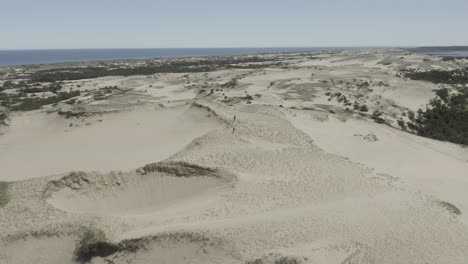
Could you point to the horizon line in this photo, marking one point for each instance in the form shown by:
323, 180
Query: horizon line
246, 47
242, 47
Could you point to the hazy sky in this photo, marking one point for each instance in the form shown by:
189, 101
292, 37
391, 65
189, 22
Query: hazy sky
48, 24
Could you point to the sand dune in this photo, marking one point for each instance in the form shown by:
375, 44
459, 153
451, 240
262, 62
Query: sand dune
50, 144
131, 193
270, 171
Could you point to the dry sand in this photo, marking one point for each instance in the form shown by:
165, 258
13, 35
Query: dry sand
285, 176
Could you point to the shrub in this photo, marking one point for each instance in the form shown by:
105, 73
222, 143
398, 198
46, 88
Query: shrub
459, 76
230, 84
356, 106
7, 85
444, 121
443, 94
402, 124
4, 197
363, 108
364, 84
3, 117
377, 116
93, 243
26, 104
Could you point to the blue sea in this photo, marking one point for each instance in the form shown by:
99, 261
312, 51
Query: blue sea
20, 57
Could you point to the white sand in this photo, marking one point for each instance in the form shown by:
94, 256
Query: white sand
39, 144
274, 185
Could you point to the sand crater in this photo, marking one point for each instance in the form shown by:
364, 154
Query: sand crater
155, 187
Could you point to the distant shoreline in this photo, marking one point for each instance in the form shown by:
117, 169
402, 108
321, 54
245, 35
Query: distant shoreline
12, 58
31, 57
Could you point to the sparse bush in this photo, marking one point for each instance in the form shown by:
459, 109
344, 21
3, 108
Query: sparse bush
356, 105
281, 260
377, 116
230, 84
248, 97
3, 117
287, 260
449, 207
363, 108
364, 84
26, 104
4, 197
402, 124
411, 115
93, 243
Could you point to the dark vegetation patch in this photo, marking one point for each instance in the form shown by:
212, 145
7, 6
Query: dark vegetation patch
452, 58
340, 98
17, 103
445, 118
230, 84
3, 118
236, 99
31, 87
74, 180
12, 85
179, 169
93, 243
449, 207
152, 68
4, 197
377, 117
280, 260
25, 98
359, 107
105, 92
438, 48
459, 76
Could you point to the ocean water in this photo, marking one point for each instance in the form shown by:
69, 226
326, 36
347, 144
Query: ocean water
20, 57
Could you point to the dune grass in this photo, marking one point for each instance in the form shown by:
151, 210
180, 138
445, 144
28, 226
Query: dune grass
4, 197
93, 243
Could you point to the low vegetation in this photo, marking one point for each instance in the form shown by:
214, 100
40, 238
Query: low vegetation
280, 260
4, 197
445, 118
230, 84
377, 117
16, 103
93, 243
27, 95
181, 66
359, 107
449, 207
3, 117
459, 76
